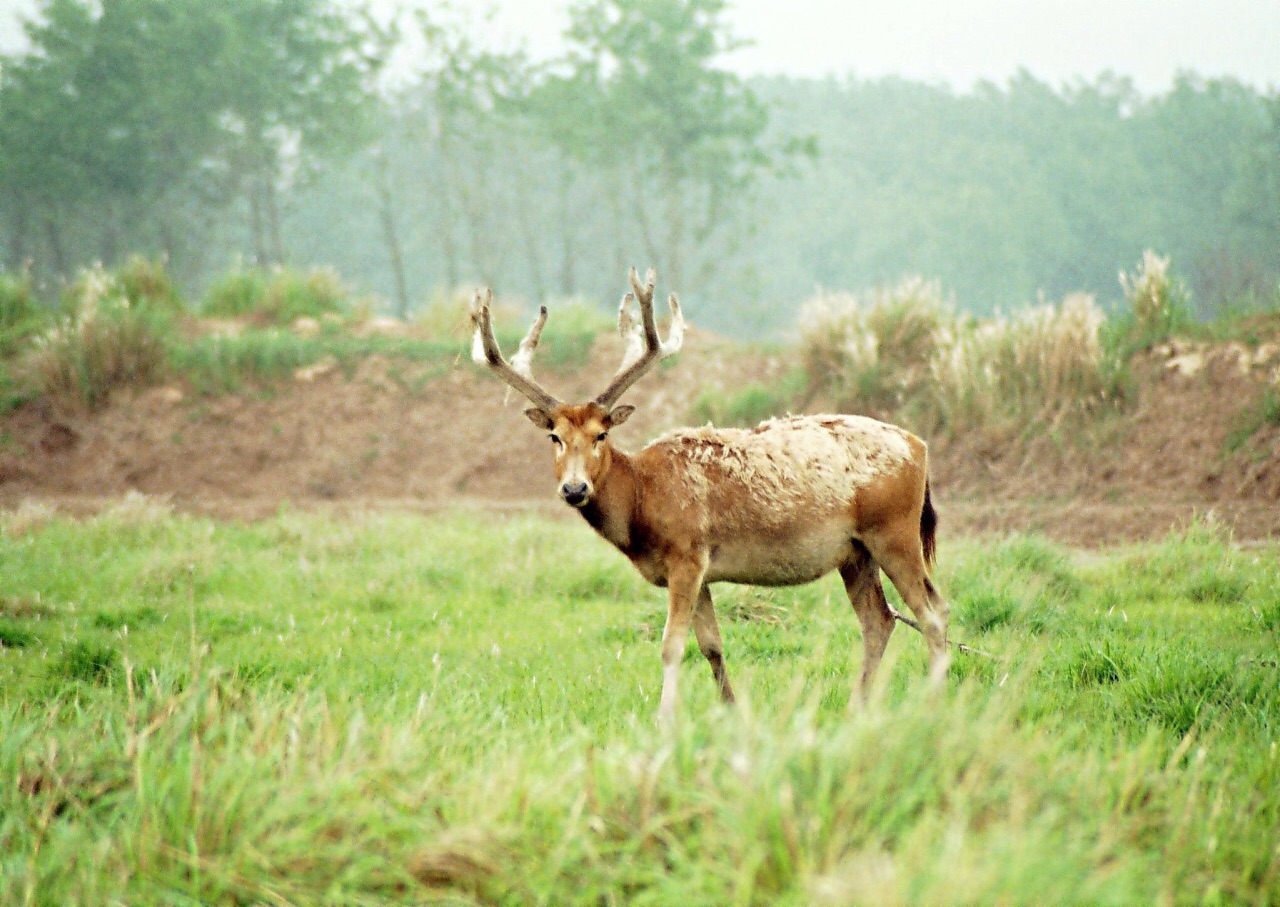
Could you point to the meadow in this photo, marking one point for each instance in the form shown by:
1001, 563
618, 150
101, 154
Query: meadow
390, 708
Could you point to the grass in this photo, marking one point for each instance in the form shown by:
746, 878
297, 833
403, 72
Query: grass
905, 353
220, 364
750, 405
380, 710
279, 296
1264, 413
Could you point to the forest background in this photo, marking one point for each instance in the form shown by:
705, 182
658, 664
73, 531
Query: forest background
270, 132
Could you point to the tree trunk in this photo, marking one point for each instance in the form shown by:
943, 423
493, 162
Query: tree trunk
255, 221
110, 248
528, 235
18, 218
675, 225
565, 223
444, 199
53, 233
390, 235
273, 216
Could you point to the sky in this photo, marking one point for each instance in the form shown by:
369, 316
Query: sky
954, 41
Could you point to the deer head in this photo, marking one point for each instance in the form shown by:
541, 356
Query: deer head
580, 432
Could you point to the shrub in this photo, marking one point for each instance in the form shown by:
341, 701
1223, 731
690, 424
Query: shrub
235, 294
20, 311
875, 350
904, 352
279, 296
146, 281
1042, 364
1157, 306
89, 662
751, 405
104, 343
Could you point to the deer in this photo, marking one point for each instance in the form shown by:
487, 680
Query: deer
782, 504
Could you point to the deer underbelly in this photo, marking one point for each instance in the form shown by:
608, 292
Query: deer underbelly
766, 562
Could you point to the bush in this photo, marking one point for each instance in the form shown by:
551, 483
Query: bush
1157, 307
751, 405
1043, 364
106, 342
89, 662
278, 297
146, 281
20, 313
903, 352
874, 350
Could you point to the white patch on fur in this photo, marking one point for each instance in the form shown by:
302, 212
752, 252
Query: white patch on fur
775, 504
799, 459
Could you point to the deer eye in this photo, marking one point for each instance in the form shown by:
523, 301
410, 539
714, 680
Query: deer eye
600, 437
555, 439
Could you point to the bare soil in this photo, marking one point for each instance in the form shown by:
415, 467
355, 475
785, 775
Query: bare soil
387, 437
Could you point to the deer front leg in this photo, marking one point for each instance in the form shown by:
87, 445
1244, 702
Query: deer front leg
684, 583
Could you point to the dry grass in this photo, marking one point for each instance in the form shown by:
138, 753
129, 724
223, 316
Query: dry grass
905, 353
876, 349
105, 342
1042, 364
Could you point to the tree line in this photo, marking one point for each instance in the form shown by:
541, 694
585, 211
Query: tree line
270, 132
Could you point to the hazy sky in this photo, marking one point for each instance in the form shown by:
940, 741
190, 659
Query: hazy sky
957, 41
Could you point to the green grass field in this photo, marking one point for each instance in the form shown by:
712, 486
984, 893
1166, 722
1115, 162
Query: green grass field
460, 709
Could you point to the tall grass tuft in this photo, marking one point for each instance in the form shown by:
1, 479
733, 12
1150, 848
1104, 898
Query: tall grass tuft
20, 312
1043, 364
875, 350
279, 296
1157, 305
905, 352
105, 342
146, 281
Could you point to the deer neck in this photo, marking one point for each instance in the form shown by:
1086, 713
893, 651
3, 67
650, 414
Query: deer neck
612, 510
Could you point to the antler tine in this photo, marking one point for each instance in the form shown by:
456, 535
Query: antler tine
643, 346
485, 351
631, 332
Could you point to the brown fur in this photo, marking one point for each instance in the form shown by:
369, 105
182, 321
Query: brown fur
781, 504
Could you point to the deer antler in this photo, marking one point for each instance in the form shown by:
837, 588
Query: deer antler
519, 372
643, 347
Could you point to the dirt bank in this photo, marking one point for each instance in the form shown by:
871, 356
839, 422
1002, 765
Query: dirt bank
389, 436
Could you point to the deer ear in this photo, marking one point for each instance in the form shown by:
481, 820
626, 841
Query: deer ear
540, 417
620, 414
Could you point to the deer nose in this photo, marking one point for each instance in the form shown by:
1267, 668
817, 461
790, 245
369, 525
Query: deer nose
574, 493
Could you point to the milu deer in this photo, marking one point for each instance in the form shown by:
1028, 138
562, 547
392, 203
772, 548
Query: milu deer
778, 505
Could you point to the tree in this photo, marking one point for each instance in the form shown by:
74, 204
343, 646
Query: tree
643, 95
298, 86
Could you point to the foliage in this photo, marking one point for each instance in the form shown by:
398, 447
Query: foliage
20, 312
874, 350
751, 404
1264, 413
903, 351
146, 281
123, 122
279, 296
297, 709
649, 99
1157, 306
105, 342
215, 364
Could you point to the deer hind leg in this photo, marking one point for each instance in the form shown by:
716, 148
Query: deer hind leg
684, 585
900, 555
707, 629
861, 577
